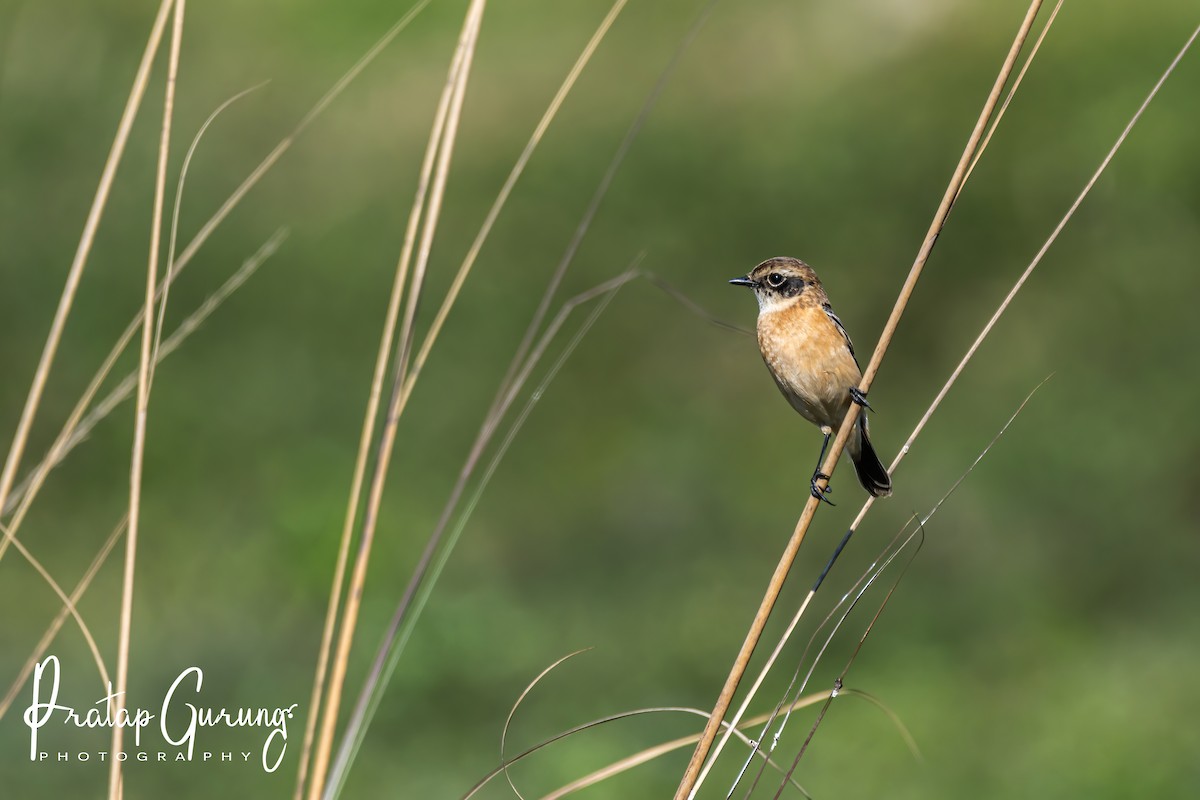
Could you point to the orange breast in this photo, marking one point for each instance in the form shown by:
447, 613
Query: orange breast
810, 362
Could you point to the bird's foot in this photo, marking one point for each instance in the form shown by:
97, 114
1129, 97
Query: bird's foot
860, 398
817, 491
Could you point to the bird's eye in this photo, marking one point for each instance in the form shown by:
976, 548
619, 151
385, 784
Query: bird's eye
775, 280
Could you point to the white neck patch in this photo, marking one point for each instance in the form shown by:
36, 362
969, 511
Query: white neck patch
770, 301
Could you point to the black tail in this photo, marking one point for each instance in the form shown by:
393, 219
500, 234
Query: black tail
872, 474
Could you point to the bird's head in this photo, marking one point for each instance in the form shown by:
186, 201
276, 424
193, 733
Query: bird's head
780, 282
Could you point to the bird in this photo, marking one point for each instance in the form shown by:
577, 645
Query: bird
811, 358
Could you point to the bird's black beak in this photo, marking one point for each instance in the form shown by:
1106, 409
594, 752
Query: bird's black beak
744, 281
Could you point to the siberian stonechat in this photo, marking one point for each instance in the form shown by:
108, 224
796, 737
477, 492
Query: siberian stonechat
812, 361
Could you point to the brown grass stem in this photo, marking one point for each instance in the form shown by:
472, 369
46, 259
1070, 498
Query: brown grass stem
790, 629
75, 273
68, 437
459, 279
502, 198
367, 435
1037, 259
79, 426
81, 421
874, 571
1020, 282
420, 586
1012, 90
141, 413
601, 191
455, 90
522, 361
175, 212
285, 144
775, 586
642, 756
69, 610
56, 624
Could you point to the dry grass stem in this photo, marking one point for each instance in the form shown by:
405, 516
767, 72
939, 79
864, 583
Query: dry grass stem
1012, 90
367, 435
1020, 282
68, 436
952, 379
69, 609
286, 143
455, 89
417, 592
625, 764
78, 426
56, 624
512, 712
75, 274
428, 341
1037, 259
516, 374
872, 573
688, 784
790, 629
452, 294
869, 575
115, 789
518, 168
175, 211
448, 117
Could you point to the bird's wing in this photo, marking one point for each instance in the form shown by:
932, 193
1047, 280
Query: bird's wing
837, 323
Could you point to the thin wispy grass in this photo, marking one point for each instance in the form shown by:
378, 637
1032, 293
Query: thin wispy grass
518, 372
99, 202
69, 609
622, 765
688, 782
141, 412
78, 424
81, 421
761, 748
367, 435
410, 376
441, 148
85, 417
417, 594
177, 261
78, 429
969, 355
903, 540
648, 754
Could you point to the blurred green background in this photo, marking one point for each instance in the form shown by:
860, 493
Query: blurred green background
1043, 642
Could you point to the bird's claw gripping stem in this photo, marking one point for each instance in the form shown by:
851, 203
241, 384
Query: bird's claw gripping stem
858, 397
